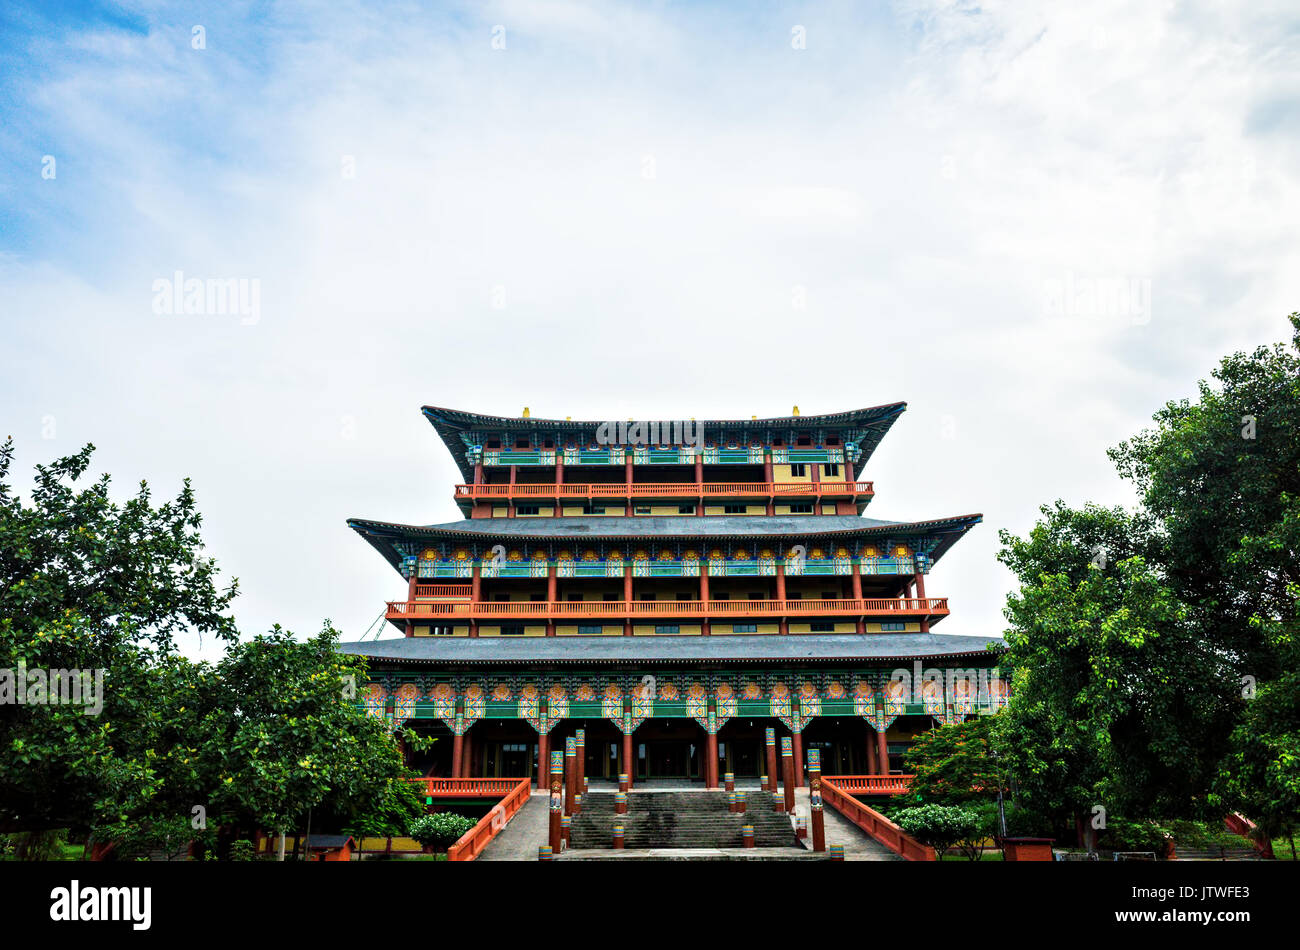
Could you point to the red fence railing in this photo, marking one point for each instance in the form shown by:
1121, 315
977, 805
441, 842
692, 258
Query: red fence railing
873, 822
826, 489
893, 606
471, 843
872, 784
465, 787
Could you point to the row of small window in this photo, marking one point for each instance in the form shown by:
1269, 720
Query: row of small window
720, 595
796, 509
517, 630
802, 441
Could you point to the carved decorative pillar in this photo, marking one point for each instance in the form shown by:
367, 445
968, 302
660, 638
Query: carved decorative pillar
580, 761
818, 820
557, 800
771, 759
787, 772
798, 759
570, 773
543, 752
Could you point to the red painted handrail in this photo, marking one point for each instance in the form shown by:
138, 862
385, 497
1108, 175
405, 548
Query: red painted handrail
899, 606
471, 843
872, 784
873, 822
457, 591
667, 490
465, 787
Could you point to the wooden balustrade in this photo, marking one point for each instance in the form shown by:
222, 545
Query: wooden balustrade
883, 606
872, 784
872, 822
448, 591
471, 843
465, 787
825, 489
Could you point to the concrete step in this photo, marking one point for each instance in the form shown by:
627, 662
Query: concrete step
678, 820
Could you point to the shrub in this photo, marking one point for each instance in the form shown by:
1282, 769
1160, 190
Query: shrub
242, 850
440, 830
942, 827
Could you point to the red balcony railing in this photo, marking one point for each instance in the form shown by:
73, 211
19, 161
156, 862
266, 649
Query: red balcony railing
588, 492
883, 606
465, 787
871, 784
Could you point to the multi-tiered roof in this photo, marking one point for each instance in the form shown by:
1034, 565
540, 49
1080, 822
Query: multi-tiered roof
759, 513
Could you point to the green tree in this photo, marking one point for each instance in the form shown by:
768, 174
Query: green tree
954, 764
87, 584
1132, 633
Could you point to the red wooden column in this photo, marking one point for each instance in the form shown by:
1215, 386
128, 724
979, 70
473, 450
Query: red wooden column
882, 752
780, 595
410, 596
475, 592
704, 597
919, 580
457, 747
771, 760
510, 512
816, 818
627, 597
467, 763
543, 753
699, 481
579, 767
798, 759
857, 591
559, 479
570, 773
871, 751
551, 571
478, 471
557, 799
787, 772
711, 761
629, 764
767, 476
627, 477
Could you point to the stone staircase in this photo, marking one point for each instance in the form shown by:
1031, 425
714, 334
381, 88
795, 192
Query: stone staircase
679, 820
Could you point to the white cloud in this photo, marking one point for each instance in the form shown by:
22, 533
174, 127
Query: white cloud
920, 178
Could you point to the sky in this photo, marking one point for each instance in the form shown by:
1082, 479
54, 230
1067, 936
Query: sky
1034, 224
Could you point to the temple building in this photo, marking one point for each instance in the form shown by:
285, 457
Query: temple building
675, 590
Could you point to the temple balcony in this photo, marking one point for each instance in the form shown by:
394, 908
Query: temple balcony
461, 607
767, 492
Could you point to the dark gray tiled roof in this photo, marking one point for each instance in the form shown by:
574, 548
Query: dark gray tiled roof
668, 649
381, 534
875, 420
648, 526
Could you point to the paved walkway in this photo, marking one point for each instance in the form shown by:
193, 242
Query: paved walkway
529, 828
691, 854
858, 845
524, 834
